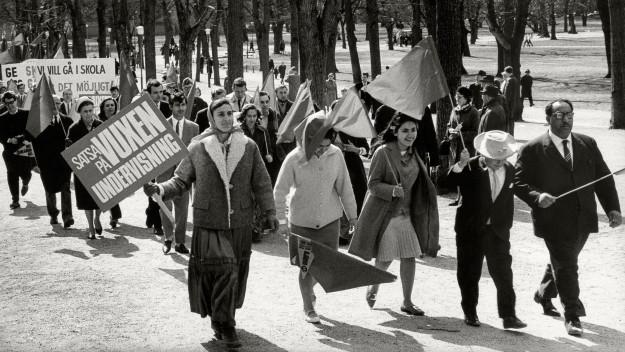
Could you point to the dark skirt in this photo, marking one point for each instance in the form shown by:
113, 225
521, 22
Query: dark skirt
218, 270
327, 235
83, 198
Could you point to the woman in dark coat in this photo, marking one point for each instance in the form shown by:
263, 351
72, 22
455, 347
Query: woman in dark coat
464, 120
250, 125
399, 219
108, 109
79, 129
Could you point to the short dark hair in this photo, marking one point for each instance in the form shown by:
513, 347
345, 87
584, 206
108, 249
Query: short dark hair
465, 92
187, 81
219, 103
549, 107
239, 82
9, 95
262, 93
114, 88
152, 82
177, 97
21, 85
282, 86
217, 91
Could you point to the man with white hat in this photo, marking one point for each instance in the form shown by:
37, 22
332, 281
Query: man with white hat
483, 223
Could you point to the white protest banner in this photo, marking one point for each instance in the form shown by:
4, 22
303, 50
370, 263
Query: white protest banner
85, 77
125, 152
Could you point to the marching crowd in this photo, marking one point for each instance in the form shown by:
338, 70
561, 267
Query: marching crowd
244, 182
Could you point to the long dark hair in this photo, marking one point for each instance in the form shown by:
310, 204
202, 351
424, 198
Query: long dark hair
388, 135
101, 114
246, 108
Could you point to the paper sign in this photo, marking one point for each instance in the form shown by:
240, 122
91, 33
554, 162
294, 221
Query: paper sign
125, 152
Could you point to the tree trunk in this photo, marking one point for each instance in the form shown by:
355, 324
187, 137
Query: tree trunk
168, 29
351, 41
552, 16
149, 41
236, 27
449, 38
572, 29
463, 35
416, 35
604, 14
373, 13
261, 26
315, 29
584, 19
277, 36
343, 39
214, 47
295, 30
617, 29
123, 34
430, 17
198, 58
544, 22
189, 32
331, 58
389, 34
79, 32
101, 15
566, 11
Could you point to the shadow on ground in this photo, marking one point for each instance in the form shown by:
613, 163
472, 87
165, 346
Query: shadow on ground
250, 341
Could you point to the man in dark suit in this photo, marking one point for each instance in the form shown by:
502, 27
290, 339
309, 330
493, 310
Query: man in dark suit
202, 116
115, 94
548, 166
67, 106
492, 115
21, 95
53, 169
476, 90
483, 223
186, 130
197, 104
12, 137
283, 104
510, 90
282, 71
526, 87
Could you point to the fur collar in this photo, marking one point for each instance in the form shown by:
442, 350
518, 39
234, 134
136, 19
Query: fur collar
226, 167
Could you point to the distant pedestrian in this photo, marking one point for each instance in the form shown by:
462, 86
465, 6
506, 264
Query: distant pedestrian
330, 90
282, 70
476, 89
293, 80
526, 87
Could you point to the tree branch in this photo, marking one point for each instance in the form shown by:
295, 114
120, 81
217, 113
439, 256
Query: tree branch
491, 19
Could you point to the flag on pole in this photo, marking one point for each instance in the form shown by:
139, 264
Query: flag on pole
59, 48
350, 116
190, 99
302, 107
51, 86
37, 40
256, 98
40, 114
127, 85
25, 52
18, 40
414, 82
6, 57
29, 100
172, 77
12, 86
270, 87
334, 270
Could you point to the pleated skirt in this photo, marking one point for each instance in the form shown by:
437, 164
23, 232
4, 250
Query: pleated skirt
399, 240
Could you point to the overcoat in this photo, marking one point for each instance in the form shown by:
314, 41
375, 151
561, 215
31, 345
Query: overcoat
380, 205
47, 148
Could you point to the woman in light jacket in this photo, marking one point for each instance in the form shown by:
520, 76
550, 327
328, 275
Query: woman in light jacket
320, 190
399, 219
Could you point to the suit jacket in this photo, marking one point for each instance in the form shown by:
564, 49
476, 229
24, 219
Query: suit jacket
198, 104
492, 117
477, 204
541, 168
281, 117
165, 109
202, 119
225, 190
48, 147
64, 111
21, 99
526, 85
12, 126
235, 103
189, 131
476, 90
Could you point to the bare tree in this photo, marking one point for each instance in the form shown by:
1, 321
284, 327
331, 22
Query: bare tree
295, 30
261, 13
351, 41
604, 13
101, 12
169, 32
215, 43
472, 10
148, 19
416, 35
318, 22
123, 30
236, 27
552, 19
79, 31
374, 37
280, 15
617, 29
191, 20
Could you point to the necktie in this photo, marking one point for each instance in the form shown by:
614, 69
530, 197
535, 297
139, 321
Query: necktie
567, 154
495, 186
178, 128
239, 104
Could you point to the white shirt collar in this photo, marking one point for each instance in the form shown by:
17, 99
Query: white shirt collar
557, 140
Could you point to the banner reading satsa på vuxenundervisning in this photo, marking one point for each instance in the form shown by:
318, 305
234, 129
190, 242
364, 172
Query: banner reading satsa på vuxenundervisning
125, 152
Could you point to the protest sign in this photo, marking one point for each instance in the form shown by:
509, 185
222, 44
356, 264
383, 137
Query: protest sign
125, 152
85, 77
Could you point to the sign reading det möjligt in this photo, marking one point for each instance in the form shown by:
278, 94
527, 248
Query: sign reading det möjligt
125, 152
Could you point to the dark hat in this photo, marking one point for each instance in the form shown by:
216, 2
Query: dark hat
527, 71
488, 79
491, 91
481, 73
465, 92
187, 81
508, 69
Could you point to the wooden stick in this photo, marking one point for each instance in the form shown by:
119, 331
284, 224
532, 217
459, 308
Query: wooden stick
157, 198
590, 183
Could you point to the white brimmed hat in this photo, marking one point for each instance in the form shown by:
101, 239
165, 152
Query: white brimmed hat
495, 144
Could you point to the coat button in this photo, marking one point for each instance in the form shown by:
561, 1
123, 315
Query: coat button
317, 226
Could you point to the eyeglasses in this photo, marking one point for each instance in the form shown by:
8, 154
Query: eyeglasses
561, 115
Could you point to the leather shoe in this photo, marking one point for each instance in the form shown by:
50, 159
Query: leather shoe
14, 205
180, 248
454, 203
548, 308
158, 231
371, 298
574, 327
217, 330
472, 320
68, 223
513, 323
412, 310
54, 221
24, 190
166, 247
230, 338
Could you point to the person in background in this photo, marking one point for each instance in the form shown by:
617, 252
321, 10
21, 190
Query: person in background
221, 243
510, 90
399, 219
330, 90
201, 118
293, 81
79, 129
269, 121
68, 104
108, 109
238, 98
483, 223
526, 87
492, 115
21, 95
115, 93
197, 104
13, 137
282, 71
319, 191
476, 90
